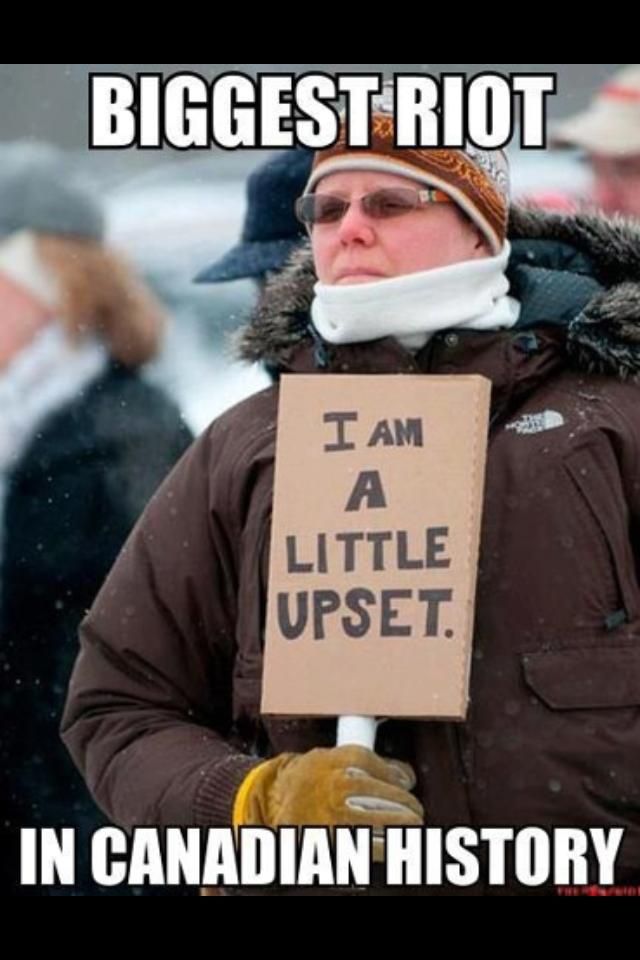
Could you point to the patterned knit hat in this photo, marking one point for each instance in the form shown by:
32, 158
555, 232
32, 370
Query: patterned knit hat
476, 180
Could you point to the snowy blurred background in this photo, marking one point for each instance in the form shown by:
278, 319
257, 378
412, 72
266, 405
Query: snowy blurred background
174, 212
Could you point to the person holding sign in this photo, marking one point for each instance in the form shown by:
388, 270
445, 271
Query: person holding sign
409, 271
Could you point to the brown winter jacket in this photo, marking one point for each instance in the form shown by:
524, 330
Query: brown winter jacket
163, 709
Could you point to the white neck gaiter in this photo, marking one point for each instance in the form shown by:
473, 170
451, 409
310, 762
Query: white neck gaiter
411, 308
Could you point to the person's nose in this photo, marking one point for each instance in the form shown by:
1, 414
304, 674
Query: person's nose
355, 226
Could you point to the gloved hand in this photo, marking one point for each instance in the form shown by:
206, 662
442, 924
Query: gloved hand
347, 785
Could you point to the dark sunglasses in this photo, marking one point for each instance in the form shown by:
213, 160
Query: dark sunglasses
382, 204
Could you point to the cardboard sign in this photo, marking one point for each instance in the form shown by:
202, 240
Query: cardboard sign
376, 523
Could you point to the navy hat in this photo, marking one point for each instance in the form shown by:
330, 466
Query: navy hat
271, 230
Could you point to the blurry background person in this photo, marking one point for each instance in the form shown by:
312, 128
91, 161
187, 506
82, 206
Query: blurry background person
84, 442
608, 131
270, 234
271, 230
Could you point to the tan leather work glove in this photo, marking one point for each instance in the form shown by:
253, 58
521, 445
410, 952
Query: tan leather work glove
335, 786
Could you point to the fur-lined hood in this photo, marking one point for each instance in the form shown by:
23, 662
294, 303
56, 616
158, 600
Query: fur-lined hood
581, 272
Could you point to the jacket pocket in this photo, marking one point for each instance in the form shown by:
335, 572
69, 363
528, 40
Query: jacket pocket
599, 499
590, 729
588, 679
